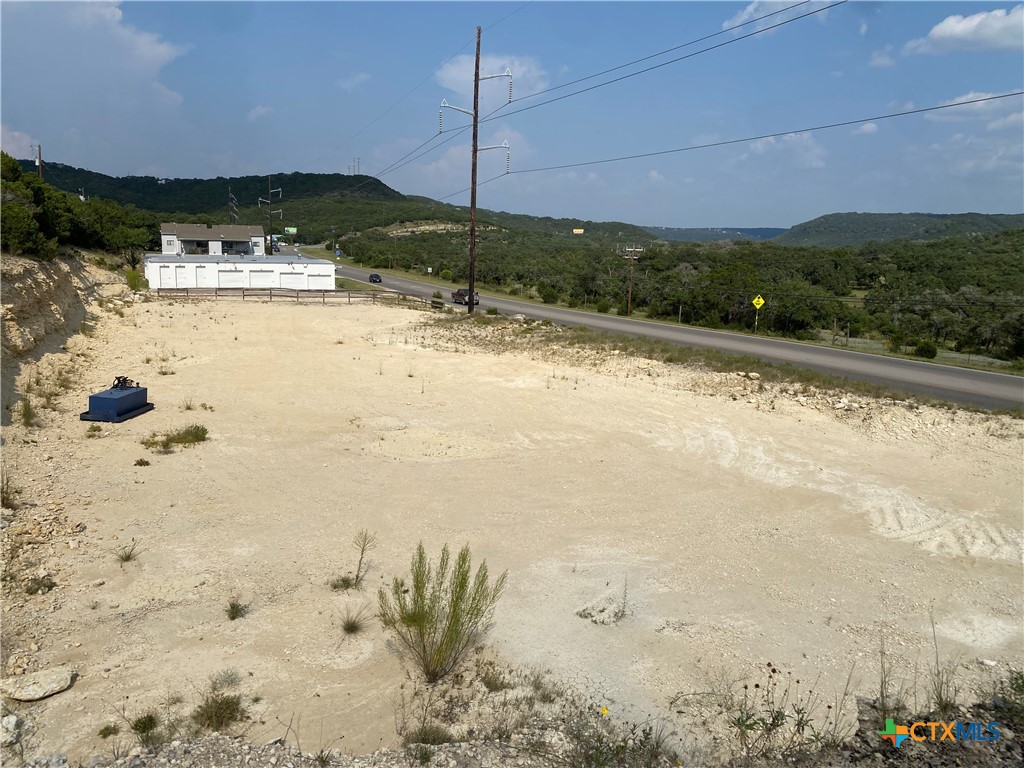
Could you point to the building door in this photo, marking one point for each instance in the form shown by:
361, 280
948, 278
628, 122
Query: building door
230, 278
261, 278
294, 280
204, 277
166, 276
181, 277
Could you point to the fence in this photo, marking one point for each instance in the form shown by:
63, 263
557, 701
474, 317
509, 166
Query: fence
269, 294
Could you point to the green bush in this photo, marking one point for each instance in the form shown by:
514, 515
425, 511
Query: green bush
442, 613
136, 281
602, 305
446, 275
926, 348
548, 294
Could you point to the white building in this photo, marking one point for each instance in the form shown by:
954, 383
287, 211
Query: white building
230, 256
211, 240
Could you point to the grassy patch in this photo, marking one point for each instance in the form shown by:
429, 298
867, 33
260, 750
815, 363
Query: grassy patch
94, 430
218, 710
127, 552
109, 730
186, 436
429, 733
236, 610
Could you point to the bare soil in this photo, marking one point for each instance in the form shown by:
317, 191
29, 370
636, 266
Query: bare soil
665, 530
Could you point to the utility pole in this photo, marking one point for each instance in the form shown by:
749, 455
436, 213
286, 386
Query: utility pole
632, 253
270, 213
334, 248
39, 160
476, 150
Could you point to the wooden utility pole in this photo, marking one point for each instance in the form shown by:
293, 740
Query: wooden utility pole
472, 191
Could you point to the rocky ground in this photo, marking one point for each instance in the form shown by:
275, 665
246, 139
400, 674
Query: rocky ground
666, 528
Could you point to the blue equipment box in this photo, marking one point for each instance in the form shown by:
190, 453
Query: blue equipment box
117, 404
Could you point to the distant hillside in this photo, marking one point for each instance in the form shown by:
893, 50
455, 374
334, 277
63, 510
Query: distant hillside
838, 229
714, 233
209, 196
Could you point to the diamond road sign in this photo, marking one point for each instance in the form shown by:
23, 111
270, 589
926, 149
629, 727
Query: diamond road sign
758, 302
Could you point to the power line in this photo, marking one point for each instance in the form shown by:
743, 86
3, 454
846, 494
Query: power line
671, 61
746, 139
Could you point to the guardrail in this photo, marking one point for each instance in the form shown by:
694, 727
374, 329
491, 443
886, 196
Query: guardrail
269, 294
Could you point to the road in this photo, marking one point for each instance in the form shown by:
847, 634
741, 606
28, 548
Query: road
960, 385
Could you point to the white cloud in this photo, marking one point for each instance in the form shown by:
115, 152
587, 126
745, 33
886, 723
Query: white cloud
863, 28
140, 49
528, 76
836, 74
985, 31
1013, 120
985, 110
883, 58
760, 8
351, 82
801, 148
257, 112
655, 177
16, 144
867, 129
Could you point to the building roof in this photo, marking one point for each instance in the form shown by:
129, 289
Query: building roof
211, 232
277, 258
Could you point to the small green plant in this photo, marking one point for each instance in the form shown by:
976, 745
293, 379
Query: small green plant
127, 552
926, 348
354, 621
363, 543
218, 710
493, 678
236, 609
141, 463
190, 435
8, 491
94, 430
108, 730
225, 680
187, 404
429, 733
135, 279
492, 310
36, 585
342, 583
442, 612
28, 413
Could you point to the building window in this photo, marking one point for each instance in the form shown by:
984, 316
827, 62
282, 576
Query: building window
169, 242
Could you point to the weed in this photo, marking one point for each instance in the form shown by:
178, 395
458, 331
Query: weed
94, 430
28, 413
429, 733
420, 753
165, 370
128, 552
545, 691
218, 710
342, 582
206, 407
236, 610
354, 622
1007, 696
190, 435
442, 613
37, 585
141, 463
111, 729
8, 490
225, 679
892, 695
363, 543
493, 679
187, 405
943, 686
147, 359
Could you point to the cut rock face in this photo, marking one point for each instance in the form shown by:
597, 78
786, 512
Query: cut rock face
38, 685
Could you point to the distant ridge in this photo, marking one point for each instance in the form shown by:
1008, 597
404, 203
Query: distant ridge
206, 195
699, 235
838, 229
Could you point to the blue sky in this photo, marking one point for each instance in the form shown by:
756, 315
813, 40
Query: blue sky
203, 89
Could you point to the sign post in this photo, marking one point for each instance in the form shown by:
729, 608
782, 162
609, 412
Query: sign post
758, 302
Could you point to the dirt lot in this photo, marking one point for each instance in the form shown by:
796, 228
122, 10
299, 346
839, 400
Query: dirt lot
737, 523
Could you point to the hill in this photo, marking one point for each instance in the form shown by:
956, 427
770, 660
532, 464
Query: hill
210, 196
710, 234
838, 229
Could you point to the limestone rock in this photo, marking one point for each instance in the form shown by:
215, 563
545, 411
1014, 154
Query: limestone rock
38, 685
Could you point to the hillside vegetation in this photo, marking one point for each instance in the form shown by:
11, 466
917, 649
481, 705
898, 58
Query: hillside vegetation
839, 229
964, 292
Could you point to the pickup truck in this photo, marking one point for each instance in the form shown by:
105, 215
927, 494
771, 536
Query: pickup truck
461, 296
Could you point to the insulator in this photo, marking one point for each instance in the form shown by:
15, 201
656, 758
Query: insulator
510, 90
440, 121
508, 162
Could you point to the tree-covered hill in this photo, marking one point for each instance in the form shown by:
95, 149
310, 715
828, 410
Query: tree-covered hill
709, 234
209, 196
838, 229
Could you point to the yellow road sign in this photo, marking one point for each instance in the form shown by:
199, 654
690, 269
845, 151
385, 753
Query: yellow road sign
758, 302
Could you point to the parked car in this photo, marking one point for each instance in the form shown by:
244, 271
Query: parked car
375, 278
461, 296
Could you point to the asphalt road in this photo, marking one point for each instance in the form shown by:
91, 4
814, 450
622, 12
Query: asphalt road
959, 385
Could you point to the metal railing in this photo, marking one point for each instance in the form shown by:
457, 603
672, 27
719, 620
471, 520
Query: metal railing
269, 294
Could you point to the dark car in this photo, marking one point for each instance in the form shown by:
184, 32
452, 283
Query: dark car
461, 296
375, 278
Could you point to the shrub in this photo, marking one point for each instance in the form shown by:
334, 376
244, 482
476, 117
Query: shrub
442, 613
190, 435
8, 491
136, 281
28, 413
548, 294
236, 609
602, 305
342, 582
446, 275
492, 310
354, 622
127, 552
926, 348
218, 710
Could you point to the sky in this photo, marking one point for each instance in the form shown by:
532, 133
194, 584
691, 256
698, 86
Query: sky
218, 89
